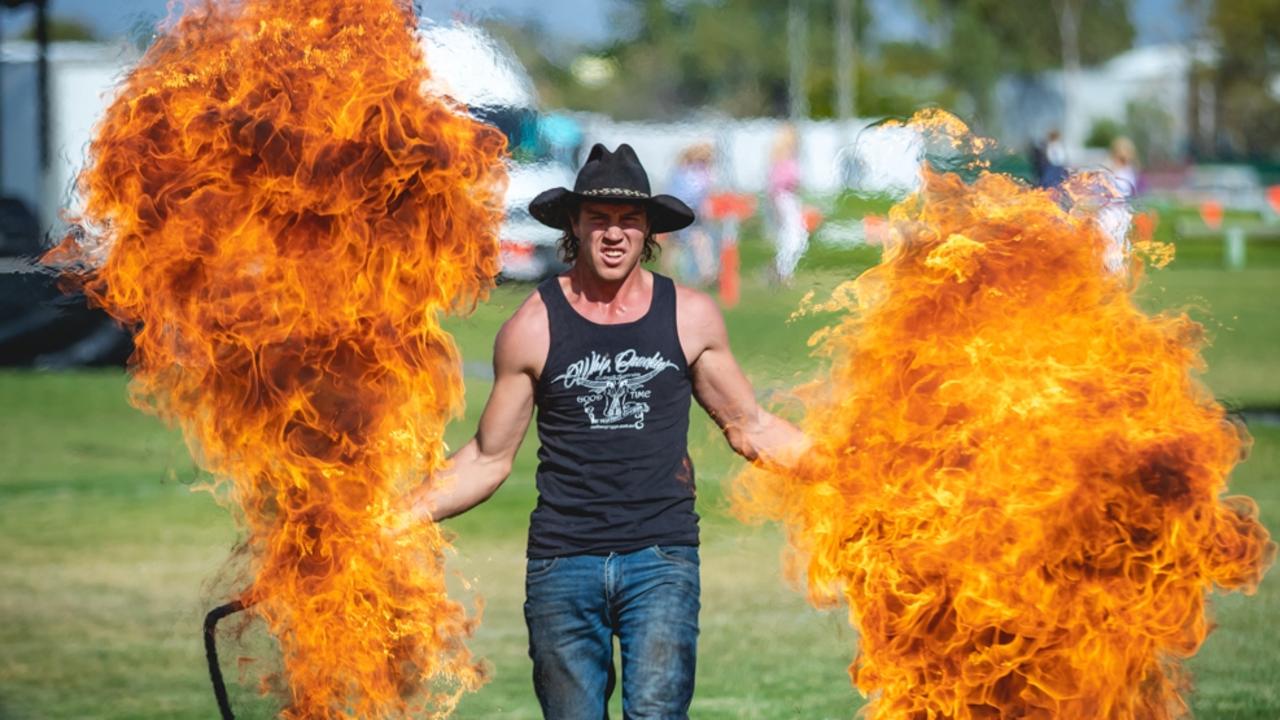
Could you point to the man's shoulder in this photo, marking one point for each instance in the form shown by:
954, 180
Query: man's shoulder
694, 305
698, 321
526, 335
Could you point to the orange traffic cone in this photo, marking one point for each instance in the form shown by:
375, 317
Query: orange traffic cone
729, 273
1211, 214
730, 209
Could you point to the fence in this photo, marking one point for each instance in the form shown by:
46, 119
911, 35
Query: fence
742, 147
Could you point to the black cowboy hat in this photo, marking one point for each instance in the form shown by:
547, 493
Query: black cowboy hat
611, 176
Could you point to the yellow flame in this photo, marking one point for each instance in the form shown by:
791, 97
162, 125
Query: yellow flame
281, 214
1016, 483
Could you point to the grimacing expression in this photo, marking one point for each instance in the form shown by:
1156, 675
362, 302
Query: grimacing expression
611, 237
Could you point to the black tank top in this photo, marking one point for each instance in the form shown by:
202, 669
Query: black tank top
613, 418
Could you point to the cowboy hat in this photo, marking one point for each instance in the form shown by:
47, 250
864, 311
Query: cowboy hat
611, 177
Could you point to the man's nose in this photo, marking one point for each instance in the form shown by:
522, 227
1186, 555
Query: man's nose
613, 232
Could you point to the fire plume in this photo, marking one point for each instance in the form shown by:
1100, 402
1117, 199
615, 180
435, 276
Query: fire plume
282, 212
1016, 483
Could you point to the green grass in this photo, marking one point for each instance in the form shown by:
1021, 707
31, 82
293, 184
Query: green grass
1241, 315
109, 559
1204, 249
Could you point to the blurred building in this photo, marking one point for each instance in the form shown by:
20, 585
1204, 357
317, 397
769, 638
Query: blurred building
81, 80
742, 147
1149, 90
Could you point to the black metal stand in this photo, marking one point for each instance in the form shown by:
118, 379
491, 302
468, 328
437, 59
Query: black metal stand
211, 653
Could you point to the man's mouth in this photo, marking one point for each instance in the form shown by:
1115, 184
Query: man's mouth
613, 255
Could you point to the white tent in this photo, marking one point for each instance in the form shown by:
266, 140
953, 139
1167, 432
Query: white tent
474, 68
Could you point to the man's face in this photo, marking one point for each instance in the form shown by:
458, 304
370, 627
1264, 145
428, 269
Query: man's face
610, 237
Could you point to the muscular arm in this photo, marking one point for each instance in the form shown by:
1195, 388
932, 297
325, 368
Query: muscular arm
478, 468
721, 388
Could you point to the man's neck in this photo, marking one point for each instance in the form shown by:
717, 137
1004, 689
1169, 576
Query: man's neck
608, 298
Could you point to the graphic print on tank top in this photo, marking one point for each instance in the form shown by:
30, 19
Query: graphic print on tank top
613, 392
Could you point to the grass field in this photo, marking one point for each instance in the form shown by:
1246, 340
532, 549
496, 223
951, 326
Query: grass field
107, 555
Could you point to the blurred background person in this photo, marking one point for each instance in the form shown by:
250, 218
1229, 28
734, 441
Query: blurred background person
1049, 160
1122, 161
695, 257
788, 231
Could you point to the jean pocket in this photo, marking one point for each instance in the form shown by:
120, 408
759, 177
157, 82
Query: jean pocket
677, 554
537, 567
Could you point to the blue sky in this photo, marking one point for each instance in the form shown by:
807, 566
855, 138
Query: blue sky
121, 17
1156, 20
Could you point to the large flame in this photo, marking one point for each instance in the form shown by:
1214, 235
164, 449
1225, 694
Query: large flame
281, 212
1016, 483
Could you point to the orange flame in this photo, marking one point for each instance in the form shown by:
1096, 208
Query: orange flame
282, 213
1016, 480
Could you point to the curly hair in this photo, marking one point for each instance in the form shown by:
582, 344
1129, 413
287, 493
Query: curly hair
569, 243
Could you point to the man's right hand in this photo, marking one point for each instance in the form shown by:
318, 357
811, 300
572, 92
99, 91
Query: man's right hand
479, 468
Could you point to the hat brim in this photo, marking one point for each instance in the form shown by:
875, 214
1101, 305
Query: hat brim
666, 212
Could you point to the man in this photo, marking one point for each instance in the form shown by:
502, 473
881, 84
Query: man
609, 354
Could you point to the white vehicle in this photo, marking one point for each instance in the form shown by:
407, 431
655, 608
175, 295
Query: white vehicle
481, 72
529, 250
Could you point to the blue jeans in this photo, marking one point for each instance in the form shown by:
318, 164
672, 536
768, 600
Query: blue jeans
575, 605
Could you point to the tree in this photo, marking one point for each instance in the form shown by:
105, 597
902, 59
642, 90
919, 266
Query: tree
63, 29
1247, 34
984, 39
903, 77
728, 56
